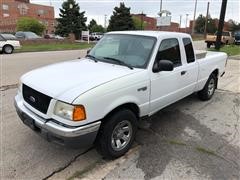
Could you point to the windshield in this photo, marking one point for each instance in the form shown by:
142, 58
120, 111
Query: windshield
132, 50
224, 34
8, 36
31, 35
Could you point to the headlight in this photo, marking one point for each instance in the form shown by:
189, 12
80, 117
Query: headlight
70, 112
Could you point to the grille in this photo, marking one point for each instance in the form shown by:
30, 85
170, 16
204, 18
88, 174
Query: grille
36, 99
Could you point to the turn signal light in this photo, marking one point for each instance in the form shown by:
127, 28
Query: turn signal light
79, 113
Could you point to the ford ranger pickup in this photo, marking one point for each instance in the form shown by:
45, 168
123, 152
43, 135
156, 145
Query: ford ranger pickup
126, 77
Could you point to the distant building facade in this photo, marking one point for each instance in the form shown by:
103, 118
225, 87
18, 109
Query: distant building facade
12, 10
151, 24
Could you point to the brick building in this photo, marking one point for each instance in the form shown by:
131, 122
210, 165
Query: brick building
151, 23
12, 10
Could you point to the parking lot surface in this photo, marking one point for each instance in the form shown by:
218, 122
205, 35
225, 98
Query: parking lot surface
190, 139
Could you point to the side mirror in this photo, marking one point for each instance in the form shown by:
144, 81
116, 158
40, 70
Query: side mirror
163, 65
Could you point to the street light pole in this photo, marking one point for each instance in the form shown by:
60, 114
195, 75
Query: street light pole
160, 7
194, 16
186, 22
180, 23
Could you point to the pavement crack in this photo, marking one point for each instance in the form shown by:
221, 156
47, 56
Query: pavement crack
68, 164
7, 87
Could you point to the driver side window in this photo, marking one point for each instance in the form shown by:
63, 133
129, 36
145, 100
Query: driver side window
169, 50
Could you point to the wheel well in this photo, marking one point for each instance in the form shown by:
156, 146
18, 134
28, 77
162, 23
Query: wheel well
215, 72
131, 106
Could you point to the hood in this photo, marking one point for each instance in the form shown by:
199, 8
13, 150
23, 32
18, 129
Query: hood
66, 81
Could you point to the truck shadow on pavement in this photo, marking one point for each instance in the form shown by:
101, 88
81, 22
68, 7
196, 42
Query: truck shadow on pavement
178, 140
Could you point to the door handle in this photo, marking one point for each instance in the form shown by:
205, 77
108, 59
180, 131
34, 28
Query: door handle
183, 72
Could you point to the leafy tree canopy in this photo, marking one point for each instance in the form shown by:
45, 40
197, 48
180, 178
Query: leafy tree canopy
94, 27
200, 24
121, 19
234, 26
30, 24
71, 19
139, 24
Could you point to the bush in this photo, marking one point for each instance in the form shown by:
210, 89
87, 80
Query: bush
30, 24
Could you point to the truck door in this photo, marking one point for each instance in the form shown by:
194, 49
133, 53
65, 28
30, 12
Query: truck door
167, 86
189, 79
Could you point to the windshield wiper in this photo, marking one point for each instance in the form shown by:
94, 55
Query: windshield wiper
92, 57
119, 62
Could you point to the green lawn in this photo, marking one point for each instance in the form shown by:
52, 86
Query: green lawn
54, 47
231, 50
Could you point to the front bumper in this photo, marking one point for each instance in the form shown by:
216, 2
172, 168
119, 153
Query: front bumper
55, 132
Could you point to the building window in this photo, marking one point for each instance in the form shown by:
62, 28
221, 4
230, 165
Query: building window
40, 12
5, 7
23, 9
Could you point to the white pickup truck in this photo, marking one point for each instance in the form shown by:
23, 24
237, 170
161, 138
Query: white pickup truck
126, 77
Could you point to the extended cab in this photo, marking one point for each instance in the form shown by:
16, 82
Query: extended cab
126, 77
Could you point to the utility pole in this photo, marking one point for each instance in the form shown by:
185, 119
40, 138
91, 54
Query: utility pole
180, 23
160, 7
105, 21
186, 22
221, 24
206, 21
194, 16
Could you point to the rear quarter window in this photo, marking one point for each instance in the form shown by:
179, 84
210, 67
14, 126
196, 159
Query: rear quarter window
189, 50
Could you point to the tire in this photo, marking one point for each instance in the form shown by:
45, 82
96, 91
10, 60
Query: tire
208, 45
207, 92
110, 143
7, 49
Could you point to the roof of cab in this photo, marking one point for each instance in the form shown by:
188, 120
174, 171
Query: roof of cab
151, 33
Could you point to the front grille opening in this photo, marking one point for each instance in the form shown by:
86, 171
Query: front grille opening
36, 99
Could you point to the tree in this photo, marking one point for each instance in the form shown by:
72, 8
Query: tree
30, 24
91, 24
98, 28
234, 26
200, 24
121, 19
94, 27
71, 20
139, 24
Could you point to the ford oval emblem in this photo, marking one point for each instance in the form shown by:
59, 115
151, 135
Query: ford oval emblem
32, 99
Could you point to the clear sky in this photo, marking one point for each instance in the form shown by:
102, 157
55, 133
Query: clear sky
98, 8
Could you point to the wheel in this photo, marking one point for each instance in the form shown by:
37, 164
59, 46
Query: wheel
208, 45
117, 134
207, 92
7, 49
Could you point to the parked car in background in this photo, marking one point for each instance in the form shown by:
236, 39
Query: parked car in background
52, 36
26, 35
126, 77
95, 36
8, 43
227, 38
237, 37
49, 36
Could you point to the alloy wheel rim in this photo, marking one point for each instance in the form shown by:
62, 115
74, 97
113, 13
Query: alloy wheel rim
121, 135
211, 87
8, 49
